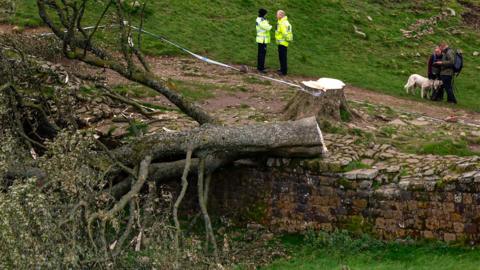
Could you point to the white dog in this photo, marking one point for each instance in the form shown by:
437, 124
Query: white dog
426, 85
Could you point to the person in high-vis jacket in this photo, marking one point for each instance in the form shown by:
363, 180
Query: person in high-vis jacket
283, 36
263, 38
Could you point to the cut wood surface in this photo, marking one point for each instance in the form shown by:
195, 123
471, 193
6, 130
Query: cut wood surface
321, 102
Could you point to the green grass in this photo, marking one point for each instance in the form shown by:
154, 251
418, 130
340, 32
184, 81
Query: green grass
26, 14
388, 131
355, 165
190, 90
135, 90
194, 91
447, 147
137, 128
324, 45
323, 251
255, 80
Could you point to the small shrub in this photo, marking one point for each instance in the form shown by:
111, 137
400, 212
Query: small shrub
345, 115
388, 131
137, 128
331, 128
366, 136
342, 243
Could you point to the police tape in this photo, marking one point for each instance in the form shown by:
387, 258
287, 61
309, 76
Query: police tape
210, 61
200, 57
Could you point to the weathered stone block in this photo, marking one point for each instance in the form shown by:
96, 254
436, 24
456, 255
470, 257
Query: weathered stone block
467, 198
471, 228
432, 224
404, 184
456, 217
449, 207
360, 204
411, 205
428, 235
367, 184
476, 179
449, 237
458, 227
362, 174
460, 208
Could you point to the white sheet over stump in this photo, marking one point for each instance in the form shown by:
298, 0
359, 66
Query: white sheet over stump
324, 99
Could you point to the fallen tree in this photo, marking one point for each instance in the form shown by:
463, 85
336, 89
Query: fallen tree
210, 140
122, 172
79, 45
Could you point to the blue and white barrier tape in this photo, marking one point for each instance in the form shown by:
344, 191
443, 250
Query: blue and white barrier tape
205, 59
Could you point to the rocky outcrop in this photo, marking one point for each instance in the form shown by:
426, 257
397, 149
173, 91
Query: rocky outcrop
423, 27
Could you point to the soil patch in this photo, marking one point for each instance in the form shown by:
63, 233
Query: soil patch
8, 29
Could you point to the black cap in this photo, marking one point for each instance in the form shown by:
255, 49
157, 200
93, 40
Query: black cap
262, 12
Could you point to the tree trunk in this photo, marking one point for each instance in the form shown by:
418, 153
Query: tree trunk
324, 105
212, 140
166, 171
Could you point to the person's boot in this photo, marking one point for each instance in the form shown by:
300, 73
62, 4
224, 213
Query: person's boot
262, 71
452, 101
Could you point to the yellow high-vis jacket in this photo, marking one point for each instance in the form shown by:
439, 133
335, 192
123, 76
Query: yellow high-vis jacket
284, 33
263, 31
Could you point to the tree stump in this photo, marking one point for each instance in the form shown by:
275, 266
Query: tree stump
324, 99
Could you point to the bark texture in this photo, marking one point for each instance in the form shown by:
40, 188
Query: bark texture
166, 171
329, 105
211, 140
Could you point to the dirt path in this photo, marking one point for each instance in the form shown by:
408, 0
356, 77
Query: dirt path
232, 89
427, 108
8, 29
271, 97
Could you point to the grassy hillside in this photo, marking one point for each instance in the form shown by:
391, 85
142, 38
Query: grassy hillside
325, 43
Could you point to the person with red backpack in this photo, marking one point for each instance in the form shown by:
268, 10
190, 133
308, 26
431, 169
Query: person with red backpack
447, 70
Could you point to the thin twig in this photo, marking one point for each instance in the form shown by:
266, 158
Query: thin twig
126, 232
128, 101
89, 40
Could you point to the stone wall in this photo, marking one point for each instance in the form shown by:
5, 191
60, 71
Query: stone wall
400, 195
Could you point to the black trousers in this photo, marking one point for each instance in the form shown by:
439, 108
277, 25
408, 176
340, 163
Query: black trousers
262, 53
448, 87
282, 56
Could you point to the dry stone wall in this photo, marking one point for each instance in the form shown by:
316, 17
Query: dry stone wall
397, 195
